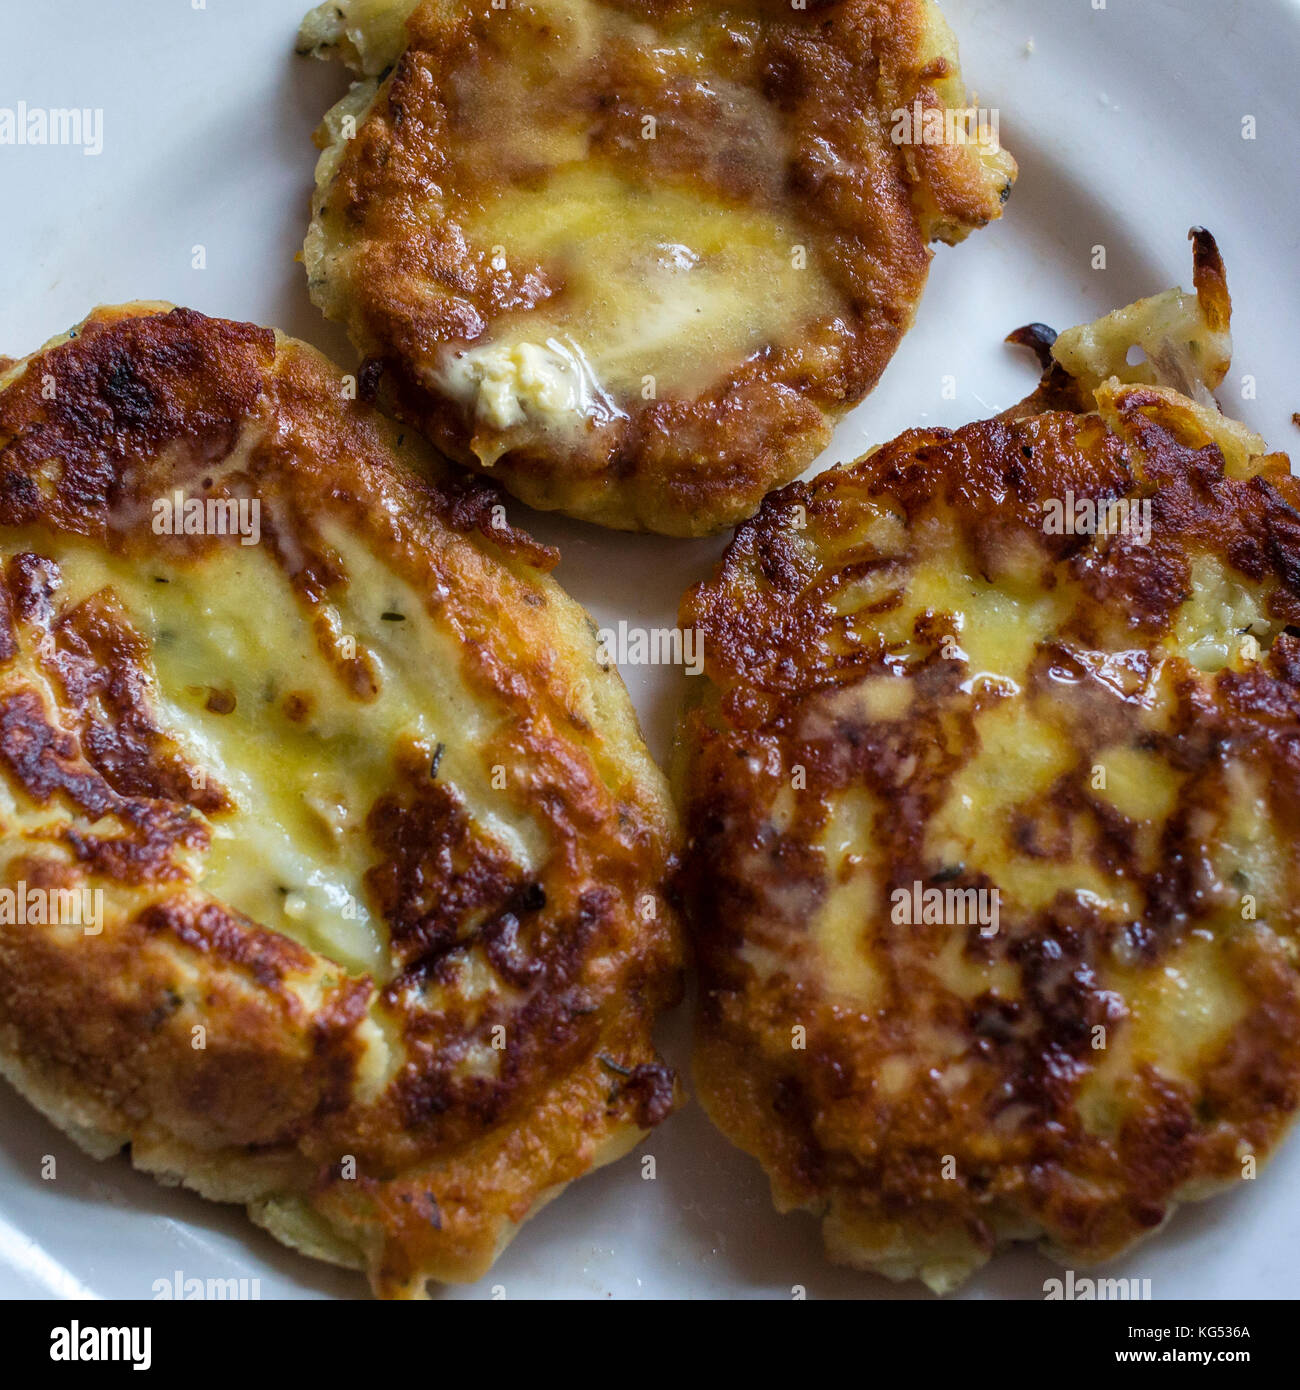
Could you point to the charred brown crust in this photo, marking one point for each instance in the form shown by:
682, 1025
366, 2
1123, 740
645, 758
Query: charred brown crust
1038, 338
1210, 279
817, 598
406, 279
571, 958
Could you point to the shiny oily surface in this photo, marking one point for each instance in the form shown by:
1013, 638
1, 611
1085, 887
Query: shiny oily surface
992, 822
379, 850
635, 259
1089, 173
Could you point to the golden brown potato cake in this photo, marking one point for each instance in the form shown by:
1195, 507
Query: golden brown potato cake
992, 797
345, 848
636, 256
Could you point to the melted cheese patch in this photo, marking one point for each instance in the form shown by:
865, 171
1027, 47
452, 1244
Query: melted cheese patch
995, 632
1177, 1015
1251, 861
1019, 758
511, 384
841, 929
1141, 785
657, 283
1215, 624
294, 852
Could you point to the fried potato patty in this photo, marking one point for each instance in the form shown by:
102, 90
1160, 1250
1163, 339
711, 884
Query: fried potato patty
331, 853
992, 798
637, 256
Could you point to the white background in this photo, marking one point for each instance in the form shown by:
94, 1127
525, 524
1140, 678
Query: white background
1127, 124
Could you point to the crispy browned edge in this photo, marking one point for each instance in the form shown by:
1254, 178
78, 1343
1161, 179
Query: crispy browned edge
97, 1030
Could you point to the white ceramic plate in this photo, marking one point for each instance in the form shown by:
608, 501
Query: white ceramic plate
1128, 124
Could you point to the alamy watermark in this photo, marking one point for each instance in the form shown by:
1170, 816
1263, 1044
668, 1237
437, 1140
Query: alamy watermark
1087, 516
952, 907
52, 907
185, 1287
53, 125
946, 125
179, 515
74, 1342
652, 646
1076, 1290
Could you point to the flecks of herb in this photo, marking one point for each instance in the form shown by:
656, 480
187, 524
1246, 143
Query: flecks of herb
947, 875
436, 759
612, 1065
391, 617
